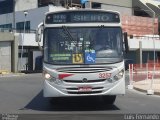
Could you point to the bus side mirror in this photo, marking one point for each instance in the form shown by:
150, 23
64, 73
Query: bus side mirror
126, 42
39, 32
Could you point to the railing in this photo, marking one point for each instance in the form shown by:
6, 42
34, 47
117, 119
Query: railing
149, 37
145, 76
16, 30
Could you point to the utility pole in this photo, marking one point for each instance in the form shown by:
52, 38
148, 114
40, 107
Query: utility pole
13, 28
25, 15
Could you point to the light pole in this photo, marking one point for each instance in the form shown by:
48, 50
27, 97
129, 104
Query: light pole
152, 91
25, 15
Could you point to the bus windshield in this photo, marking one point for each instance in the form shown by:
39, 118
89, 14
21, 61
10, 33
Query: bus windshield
83, 45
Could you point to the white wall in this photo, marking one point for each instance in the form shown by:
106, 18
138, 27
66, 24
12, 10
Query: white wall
147, 44
28, 39
55, 8
22, 5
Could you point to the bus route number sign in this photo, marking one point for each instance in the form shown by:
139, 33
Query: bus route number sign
81, 17
104, 75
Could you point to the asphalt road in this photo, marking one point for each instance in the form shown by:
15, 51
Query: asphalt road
23, 95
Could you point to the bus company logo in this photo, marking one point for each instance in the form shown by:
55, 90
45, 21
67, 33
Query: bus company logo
84, 80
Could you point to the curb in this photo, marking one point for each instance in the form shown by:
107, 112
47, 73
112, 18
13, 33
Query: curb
145, 91
4, 72
11, 74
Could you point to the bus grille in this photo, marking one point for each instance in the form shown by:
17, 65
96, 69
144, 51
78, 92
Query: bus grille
91, 92
81, 81
84, 69
95, 88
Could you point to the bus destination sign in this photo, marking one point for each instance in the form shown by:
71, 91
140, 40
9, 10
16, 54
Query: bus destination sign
82, 17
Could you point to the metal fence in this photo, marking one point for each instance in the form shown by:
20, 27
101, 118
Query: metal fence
145, 76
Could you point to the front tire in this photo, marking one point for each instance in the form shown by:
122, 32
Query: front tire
109, 99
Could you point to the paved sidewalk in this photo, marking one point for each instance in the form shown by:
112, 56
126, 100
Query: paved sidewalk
145, 85
10, 74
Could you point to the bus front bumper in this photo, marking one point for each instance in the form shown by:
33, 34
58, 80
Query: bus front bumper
62, 91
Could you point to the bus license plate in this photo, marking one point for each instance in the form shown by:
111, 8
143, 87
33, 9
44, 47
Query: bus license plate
85, 89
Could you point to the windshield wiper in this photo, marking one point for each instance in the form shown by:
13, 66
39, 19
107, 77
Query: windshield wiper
77, 57
68, 33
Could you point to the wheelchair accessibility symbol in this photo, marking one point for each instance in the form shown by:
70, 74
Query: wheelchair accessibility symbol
90, 57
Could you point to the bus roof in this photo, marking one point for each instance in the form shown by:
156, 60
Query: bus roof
67, 10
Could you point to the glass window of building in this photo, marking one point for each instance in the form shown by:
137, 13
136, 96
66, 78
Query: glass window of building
20, 26
6, 26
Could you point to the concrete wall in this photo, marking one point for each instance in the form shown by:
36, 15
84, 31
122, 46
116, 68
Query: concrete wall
5, 55
8, 52
121, 10
123, 6
22, 5
125, 3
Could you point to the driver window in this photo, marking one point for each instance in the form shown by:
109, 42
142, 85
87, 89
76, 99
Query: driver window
102, 41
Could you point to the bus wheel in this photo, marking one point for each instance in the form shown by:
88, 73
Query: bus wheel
109, 99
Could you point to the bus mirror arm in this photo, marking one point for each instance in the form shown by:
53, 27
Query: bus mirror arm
126, 42
40, 47
39, 33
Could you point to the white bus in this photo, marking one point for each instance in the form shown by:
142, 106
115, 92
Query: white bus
82, 54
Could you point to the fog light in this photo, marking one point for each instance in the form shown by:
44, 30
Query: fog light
58, 81
110, 80
119, 75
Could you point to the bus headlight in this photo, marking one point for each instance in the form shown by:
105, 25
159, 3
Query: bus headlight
50, 78
47, 76
119, 75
